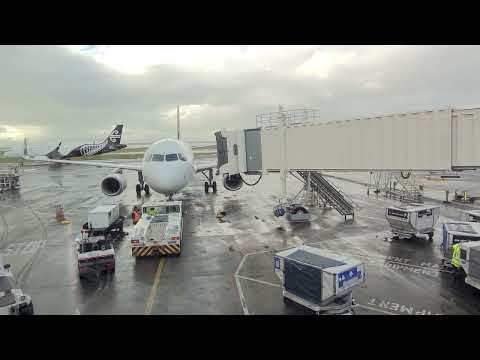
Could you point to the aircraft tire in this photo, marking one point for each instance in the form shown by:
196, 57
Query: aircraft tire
138, 190
206, 187
147, 189
214, 186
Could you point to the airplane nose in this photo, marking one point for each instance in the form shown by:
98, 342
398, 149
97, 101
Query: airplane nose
171, 181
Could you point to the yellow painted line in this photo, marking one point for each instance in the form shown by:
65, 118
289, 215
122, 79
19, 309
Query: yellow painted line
153, 291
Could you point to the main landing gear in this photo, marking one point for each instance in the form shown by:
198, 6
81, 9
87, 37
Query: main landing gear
210, 183
142, 186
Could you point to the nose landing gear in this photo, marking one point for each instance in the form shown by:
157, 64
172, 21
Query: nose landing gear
142, 186
210, 183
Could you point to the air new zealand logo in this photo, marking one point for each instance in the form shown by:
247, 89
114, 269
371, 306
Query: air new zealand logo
114, 136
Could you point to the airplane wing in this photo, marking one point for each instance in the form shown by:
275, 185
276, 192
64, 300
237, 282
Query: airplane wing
86, 163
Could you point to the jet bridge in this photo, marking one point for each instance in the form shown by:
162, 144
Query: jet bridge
436, 140
299, 141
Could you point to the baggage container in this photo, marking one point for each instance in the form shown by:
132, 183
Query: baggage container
103, 216
413, 220
458, 231
319, 279
470, 259
470, 215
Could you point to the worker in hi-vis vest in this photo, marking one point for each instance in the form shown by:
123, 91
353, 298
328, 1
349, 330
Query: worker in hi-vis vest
456, 256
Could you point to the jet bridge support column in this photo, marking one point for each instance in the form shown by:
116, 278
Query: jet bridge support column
284, 170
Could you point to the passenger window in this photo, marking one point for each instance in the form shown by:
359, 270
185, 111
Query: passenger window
171, 157
158, 157
181, 157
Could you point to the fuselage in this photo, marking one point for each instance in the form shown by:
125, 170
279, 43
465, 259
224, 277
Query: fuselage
168, 166
93, 149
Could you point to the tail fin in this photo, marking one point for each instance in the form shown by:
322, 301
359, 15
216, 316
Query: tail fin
115, 136
55, 154
178, 122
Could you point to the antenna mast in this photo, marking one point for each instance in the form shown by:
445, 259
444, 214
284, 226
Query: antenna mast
178, 122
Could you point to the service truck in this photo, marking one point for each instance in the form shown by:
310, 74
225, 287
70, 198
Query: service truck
95, 252
159, 230
13, 301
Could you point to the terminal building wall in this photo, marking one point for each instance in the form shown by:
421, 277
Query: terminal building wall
430, 140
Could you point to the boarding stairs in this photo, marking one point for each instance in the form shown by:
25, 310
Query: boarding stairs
329, 193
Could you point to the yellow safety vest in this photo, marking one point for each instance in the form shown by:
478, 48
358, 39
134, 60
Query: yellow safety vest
456, 255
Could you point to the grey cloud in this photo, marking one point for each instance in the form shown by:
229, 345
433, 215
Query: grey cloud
77, 99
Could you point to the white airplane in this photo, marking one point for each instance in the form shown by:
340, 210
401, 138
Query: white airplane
167, 167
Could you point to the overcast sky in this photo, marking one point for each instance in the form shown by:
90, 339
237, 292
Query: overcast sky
77, 93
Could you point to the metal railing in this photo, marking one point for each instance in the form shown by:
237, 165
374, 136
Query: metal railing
330, 193
295, 116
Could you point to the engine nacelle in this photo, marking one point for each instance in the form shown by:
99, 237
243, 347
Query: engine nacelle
114, 184
232, 182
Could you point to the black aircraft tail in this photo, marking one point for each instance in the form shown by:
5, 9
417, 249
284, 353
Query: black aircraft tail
55, 154
115, 136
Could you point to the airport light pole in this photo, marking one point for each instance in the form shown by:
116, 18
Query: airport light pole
178, 122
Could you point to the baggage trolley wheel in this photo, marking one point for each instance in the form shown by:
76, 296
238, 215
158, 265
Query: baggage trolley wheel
287, 301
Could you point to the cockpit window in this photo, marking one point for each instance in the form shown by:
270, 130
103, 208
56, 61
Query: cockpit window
158, 157
181, 157
171, 157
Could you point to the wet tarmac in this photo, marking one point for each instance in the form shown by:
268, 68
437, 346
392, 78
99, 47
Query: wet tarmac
226, 265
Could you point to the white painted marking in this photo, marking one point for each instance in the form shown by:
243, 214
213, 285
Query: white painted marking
374, 309
239, 286
77, 312
399, 308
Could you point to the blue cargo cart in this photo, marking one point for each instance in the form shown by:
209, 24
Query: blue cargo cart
319, 280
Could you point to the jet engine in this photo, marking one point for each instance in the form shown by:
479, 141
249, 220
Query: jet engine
232, 182
113, 184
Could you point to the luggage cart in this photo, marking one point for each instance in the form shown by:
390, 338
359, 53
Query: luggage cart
457, 231
319, 280
413, 220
